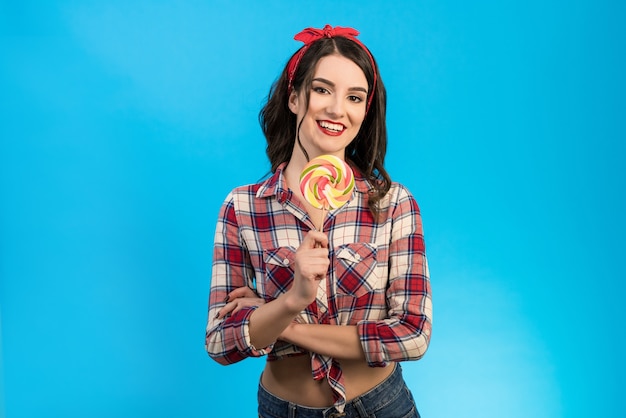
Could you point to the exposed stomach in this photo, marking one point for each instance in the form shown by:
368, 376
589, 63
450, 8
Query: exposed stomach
290, 378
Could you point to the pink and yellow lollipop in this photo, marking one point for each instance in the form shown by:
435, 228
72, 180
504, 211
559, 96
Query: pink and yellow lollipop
327, 182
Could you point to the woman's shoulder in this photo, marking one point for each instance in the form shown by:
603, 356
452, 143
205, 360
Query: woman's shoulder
249, 191
246, 189
398, 197
243, 192
398, 191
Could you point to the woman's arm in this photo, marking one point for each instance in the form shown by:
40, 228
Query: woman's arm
405, 333
226, 339
338, 341
311, 265
239, 321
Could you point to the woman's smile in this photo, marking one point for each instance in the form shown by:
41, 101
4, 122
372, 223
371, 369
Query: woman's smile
332, 118
331, 128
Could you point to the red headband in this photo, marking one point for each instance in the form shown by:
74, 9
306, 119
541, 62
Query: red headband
310, 35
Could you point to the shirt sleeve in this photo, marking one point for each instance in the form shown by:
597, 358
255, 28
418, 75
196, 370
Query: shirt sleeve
405, 333
228, 339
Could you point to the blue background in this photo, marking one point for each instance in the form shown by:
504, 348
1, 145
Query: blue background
124, 125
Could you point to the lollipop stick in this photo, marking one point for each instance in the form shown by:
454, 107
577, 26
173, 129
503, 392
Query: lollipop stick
317, 244
321, 228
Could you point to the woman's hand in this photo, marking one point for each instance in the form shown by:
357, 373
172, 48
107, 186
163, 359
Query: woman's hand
311, 266
238, 299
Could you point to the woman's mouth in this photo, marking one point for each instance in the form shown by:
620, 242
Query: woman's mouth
330, 128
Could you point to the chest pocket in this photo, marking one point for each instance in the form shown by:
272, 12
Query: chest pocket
278, 271
356, 270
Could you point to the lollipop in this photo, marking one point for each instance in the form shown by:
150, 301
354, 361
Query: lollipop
327, 182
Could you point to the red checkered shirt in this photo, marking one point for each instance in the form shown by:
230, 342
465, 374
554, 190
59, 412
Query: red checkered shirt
378, 278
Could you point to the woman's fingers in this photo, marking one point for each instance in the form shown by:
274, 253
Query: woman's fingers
315, 239
238, 299
241, 292
312, 256
311, 266
237, 304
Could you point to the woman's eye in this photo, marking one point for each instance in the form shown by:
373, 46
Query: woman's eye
355, 99
321, 90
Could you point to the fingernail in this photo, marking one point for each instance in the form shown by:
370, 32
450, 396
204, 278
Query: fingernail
226, 298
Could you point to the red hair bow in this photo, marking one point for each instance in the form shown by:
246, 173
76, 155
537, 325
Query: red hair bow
310, 35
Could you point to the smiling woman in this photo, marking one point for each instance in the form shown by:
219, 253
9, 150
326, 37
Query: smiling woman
334, 312
333, 115
125, 124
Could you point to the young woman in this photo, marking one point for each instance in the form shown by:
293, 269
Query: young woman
334, 311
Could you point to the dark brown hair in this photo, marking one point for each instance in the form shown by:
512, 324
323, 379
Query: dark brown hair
367, 150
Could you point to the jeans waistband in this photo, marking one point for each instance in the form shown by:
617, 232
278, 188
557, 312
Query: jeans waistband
370, 400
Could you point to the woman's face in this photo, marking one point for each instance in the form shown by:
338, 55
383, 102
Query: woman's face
336, 108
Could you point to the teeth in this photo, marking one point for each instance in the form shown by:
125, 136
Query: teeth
332, 126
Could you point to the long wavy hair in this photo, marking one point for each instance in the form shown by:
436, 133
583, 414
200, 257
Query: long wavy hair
367, 151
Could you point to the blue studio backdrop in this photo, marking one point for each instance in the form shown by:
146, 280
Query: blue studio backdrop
124, 124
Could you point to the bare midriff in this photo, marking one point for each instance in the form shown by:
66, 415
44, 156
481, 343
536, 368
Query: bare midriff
290, 379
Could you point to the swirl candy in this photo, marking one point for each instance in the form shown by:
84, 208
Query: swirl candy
327, 182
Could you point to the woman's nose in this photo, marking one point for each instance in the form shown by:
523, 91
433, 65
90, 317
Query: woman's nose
336, 107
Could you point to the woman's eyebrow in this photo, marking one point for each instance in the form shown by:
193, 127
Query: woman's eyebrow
330, 83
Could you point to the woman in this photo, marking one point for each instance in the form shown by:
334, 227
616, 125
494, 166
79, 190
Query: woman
334, 311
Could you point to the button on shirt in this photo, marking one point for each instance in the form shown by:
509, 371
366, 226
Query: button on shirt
378, 278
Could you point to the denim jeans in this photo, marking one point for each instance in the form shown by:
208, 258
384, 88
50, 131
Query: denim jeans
390, 399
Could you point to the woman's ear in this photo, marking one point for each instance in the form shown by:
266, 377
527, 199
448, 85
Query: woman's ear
293, 102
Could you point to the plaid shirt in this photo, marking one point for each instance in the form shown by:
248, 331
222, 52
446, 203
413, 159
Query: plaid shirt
378, 278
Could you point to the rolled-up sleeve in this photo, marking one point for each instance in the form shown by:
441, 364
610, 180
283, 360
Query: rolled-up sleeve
227, 340
405, 333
